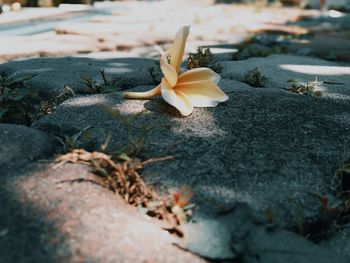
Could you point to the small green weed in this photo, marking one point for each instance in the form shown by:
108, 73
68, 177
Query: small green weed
95, 87
254, 78
72, 142
48, 106
97, 139
18, 103
22, 104
137, 133
203, 58
334, 207
305, 88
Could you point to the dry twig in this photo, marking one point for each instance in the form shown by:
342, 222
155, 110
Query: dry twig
123, 178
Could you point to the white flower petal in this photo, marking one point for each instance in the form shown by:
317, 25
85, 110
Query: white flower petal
168, 92
142, 94
202, 93
169, 72
198, 74
176, 99
184, 104
178, 48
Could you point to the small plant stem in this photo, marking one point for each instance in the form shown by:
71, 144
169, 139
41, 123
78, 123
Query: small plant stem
143, 95
102, 71
153, 160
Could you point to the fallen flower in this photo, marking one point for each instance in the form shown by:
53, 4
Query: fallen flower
193, 88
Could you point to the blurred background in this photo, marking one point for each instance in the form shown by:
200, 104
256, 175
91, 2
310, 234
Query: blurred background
342, 5
237, 28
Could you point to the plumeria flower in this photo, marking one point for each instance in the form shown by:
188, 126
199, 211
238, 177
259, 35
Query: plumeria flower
193, 88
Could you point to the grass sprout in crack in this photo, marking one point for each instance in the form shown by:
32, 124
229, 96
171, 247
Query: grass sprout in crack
95, 87
254, 78
305, 88
23, 104
335, 206
137, 134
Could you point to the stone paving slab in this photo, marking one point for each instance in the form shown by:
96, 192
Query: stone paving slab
339, 241
43, 218
265, 147
20, 145
333, 77
51, 75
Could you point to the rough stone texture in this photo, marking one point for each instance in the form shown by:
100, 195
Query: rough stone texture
47, 219
265, 147
278, 69
120, 72
20, 145
339, 241
235, 234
